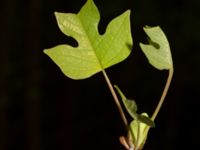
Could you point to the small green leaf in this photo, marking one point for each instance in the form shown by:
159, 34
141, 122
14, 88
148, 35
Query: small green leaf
146, 120
95, 52
158, 50
134, 125
130, 105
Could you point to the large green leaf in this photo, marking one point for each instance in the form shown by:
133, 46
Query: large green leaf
158, 50
95, 52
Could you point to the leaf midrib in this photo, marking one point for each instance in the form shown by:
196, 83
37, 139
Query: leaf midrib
92, 46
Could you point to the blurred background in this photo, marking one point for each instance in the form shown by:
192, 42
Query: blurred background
41, 109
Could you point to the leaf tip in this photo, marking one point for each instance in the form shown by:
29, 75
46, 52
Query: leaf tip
115, 86
45, 51
141, 44
146, 27
56, 14
128, 11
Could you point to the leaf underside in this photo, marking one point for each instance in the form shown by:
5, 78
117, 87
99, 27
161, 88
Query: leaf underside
95, 52
158, 50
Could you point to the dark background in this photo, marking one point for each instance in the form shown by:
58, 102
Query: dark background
41, 109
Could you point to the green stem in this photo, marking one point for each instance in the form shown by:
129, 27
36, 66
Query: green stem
115, 99
169, 79
161, 101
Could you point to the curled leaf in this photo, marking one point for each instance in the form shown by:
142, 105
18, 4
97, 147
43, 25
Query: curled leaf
130, 105
146, 120
135, 127
158, 50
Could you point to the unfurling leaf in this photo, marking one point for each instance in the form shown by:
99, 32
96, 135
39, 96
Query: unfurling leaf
158, 50
146, 120
136, 126
95, 52
131, 108
130, 105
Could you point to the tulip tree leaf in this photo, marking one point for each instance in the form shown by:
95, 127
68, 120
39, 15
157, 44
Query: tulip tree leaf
158, 50
94, 52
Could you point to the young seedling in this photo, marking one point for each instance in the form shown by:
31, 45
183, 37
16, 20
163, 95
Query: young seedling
159, 55
96, 52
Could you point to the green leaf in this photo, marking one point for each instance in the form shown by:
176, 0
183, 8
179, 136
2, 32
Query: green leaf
130, 105
134, 125
146, 120
95, 52
158, 50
